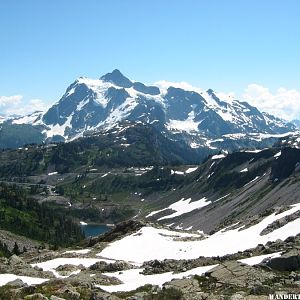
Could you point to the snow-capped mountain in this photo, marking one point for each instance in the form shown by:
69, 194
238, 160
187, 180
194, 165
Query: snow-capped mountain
199, 117
32, 118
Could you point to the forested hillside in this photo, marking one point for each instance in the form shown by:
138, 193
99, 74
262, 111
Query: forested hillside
20, 213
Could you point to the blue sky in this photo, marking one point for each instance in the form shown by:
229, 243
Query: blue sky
249, 48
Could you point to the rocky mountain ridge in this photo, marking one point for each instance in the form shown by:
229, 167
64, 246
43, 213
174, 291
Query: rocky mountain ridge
195, 117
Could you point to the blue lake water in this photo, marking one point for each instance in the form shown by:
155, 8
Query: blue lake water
94, 229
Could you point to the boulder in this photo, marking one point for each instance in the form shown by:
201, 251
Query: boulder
111, 267
85, 279
99, 295
36, 296
16, 260
69, 291
17, 283
186, 285
239, 274
290, 261
189, 287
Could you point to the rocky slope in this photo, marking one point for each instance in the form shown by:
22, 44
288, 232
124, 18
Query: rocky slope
86, 274
232, 188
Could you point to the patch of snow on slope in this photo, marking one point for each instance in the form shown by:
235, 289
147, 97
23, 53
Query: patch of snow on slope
82, 104
218, 156
255, 151
136, 94
244, 170
150, 243
225, 115
98, 86
59, 129
235, 136
254, 260
5, 278
211, 174
121, 112
190, 170
266, 135
29, 119
82, 251
210, 101
222, 197
132, 279
185, 206
251, 181
187, 125
155, 212
178, 172
194, 145
277, 154
52, 173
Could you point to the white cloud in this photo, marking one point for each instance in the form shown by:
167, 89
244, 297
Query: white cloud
164, 85
283, 103
6, 101
226, 96
15, 105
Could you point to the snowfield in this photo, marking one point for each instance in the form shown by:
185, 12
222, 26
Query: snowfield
277, 154
132, 279
6, 278
254, 260
151, 243
189, 125
185, 206
218, 156
191, 170
181, 207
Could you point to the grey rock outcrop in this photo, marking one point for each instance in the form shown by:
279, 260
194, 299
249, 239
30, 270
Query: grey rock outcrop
111, 267
239, 274
289, 261
36, 296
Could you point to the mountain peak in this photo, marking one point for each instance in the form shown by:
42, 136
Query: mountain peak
210, 92
117, 78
